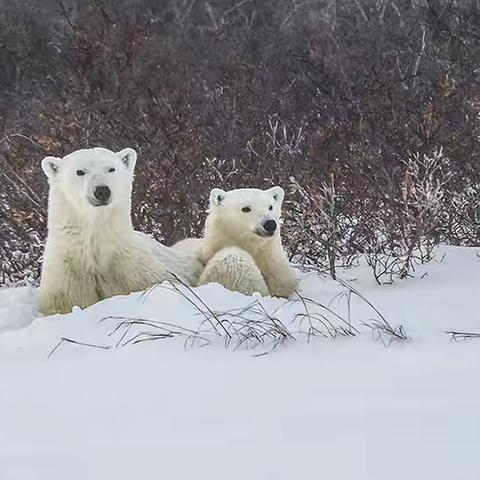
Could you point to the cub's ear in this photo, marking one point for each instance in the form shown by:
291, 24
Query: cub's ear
129, 158
51, 166
217, 196
277, 193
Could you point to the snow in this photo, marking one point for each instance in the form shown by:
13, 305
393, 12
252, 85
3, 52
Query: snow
338, 408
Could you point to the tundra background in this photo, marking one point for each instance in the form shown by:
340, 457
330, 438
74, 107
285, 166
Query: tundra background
368, 111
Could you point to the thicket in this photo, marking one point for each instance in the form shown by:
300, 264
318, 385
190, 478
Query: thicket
366, 111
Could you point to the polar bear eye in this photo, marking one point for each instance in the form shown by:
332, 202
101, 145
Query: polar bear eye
270, 207
111, 170
80, 173
246, 209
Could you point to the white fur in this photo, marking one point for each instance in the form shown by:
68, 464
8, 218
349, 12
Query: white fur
234, 253
190, 245
93, 252
236, 270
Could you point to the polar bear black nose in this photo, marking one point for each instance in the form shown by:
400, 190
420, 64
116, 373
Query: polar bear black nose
102, 193
270, 226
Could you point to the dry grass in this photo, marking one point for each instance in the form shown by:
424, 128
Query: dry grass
381, 328
456, 336
248, 327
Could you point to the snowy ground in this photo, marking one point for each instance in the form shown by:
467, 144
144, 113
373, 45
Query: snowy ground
347, 408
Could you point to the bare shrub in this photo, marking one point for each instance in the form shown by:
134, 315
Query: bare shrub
330, 227
462, 216
336, 94
406, 231
322, 232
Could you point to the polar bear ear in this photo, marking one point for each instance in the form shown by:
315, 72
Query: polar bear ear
129, 157
51, 166
217, 196
278, 193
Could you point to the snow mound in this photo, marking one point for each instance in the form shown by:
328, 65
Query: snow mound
18, 307
442, 297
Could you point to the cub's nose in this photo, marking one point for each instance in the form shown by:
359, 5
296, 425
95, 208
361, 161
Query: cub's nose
102, 193
270, 226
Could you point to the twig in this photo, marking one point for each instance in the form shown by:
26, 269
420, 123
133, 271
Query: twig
455, 336
75, 342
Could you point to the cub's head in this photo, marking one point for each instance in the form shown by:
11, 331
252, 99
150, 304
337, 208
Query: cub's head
93, 178
247, 214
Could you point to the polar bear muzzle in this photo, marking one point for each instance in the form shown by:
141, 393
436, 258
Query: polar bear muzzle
270, 226
103, 196
267, 228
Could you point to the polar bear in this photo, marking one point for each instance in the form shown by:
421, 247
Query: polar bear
242, 248
92, 251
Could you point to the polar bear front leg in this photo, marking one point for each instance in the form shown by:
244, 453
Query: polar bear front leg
61, 289
278, 273
234, 269
63, 299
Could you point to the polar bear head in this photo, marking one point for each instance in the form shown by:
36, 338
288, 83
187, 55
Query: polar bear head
246, 215
93, 178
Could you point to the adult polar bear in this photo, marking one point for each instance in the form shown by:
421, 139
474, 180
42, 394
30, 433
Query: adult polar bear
92, 251
242, 248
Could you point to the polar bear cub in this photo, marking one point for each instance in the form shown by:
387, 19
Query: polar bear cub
92, 251
242, 248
